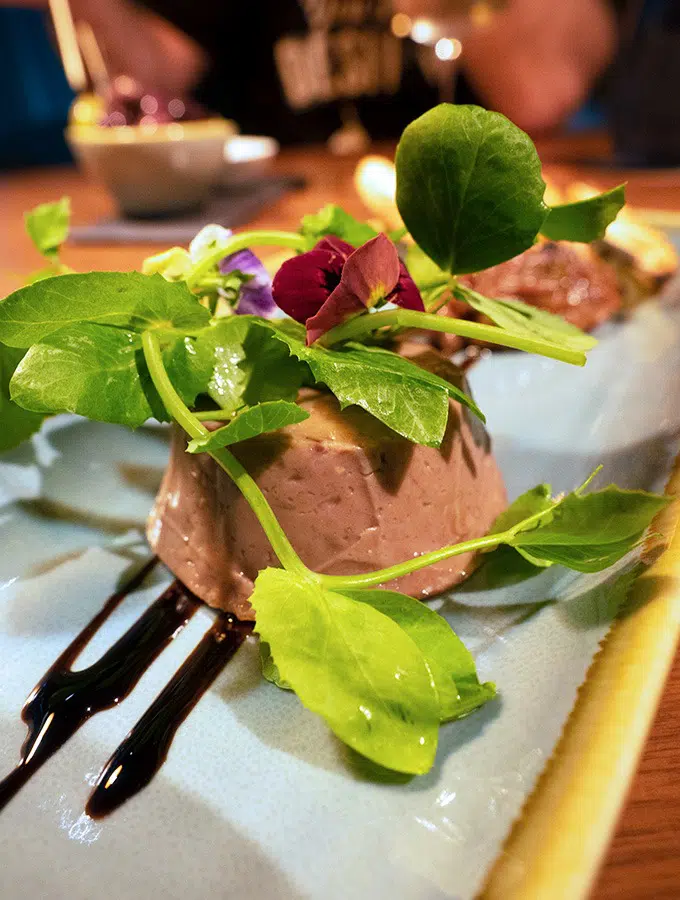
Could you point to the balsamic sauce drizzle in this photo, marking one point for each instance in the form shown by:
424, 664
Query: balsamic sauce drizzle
144, 750
64, 699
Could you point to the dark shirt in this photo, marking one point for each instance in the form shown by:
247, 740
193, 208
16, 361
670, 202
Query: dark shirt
290, 69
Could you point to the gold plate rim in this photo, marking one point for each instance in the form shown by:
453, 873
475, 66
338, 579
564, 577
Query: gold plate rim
556, 846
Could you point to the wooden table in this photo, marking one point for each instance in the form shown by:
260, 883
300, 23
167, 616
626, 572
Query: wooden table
644, 859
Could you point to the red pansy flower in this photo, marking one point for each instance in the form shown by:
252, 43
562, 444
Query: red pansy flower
334, 282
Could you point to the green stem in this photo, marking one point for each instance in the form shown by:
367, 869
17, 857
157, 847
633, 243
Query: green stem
243, 241
213, 415
492, 334
380, 576
243, 481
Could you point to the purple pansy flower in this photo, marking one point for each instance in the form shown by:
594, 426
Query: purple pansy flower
334, 282
256, 292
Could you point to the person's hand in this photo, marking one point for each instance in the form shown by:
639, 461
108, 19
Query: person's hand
138, 43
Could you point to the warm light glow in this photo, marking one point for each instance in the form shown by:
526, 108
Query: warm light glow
175, 131
424, 31
249, 148
112, 777
376, 182
116, 119
123, 84
481, 14
448, 48
401, 25
38, 740
149, 104
176, 108
651, 249
87, 109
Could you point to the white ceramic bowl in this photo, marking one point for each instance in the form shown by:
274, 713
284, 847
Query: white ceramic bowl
248, 156
154, 170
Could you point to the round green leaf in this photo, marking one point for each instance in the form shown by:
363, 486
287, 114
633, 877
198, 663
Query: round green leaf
469, 187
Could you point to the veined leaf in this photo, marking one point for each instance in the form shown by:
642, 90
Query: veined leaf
376, 694
129, 300
585, 532
469, 187
608, 516
99, 372
409, 400
536, 500
450, 662
89, 370
268, 416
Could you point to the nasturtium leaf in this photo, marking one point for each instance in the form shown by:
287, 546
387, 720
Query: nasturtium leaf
584, 220
16, 423
450, 662
87, 369
469, 187
332, 219
353, 666
523, 319
409, 400
47, 226
265, 417
130, 300
246, 364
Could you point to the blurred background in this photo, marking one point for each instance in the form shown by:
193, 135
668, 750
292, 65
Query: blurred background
339, 71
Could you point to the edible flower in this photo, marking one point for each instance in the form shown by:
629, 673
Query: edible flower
334, 282
246, 286
256, 296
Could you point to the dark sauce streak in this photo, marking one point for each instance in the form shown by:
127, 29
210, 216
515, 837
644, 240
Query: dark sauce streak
144, 750
63, 700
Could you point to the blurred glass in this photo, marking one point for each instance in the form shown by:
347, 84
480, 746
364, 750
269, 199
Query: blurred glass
440, 27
